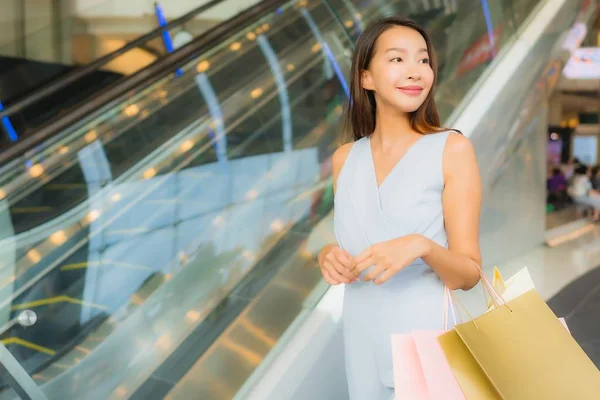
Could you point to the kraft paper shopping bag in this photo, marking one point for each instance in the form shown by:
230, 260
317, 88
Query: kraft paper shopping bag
518, 284
519, 351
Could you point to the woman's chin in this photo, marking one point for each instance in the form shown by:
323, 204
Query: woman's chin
404, 106
408, 108
408, 105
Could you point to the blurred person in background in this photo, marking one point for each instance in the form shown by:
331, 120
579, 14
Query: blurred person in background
557, 188
570, 167
583, 194
595, 177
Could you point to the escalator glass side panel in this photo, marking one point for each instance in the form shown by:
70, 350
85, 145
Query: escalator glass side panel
205, 194
125, 133
190, 196
48, 64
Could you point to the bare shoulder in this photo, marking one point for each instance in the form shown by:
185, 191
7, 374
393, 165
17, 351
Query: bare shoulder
458, 145
459, 156
340, 155
338, 159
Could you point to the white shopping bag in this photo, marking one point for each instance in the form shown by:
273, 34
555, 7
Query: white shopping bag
517, 285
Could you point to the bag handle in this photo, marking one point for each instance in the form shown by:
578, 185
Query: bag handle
496, 298
450, 300
448, 304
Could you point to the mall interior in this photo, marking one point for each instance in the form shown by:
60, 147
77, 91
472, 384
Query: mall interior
163, 202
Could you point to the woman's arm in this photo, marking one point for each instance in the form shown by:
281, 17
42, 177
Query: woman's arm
457, 266
336, 264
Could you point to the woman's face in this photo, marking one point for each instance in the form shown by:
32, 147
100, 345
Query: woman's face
399, 72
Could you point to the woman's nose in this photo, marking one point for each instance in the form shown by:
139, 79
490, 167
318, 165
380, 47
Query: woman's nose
414, 74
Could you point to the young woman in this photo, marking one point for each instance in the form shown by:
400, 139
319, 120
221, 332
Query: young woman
407, 204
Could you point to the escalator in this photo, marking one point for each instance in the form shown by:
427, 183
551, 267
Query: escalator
170, 243
143, 121
41, 88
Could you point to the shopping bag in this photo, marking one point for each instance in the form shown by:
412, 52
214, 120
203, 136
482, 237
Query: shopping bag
519, 351
409, 377
498, 282
518, 284
421, 371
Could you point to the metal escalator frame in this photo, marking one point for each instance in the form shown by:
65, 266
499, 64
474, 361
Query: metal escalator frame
57, 84
143, 78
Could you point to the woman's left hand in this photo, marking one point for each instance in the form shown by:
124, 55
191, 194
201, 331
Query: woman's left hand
390, 257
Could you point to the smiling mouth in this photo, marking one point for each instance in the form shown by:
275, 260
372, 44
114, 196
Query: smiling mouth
411, 90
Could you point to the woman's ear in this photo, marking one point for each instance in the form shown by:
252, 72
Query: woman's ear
366, 81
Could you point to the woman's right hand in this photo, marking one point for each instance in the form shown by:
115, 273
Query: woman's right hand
336, 265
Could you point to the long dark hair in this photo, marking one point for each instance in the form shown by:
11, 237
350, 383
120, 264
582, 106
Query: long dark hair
361, 109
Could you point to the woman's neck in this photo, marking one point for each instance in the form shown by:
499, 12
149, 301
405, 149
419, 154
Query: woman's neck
392, 128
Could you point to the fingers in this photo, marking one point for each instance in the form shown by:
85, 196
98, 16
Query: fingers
373, 273
364, 264
344, 258
384, 277
328, 278
336, 272
344, 272
367, 253
341, 262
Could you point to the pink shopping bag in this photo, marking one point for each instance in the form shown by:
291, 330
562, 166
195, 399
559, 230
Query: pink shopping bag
409, 378
421, 371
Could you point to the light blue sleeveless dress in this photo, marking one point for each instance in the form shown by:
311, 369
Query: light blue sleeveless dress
408, 201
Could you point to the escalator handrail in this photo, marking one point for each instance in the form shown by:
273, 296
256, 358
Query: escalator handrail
59, 83
144, 77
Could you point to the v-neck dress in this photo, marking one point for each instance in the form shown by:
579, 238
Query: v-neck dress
409, 200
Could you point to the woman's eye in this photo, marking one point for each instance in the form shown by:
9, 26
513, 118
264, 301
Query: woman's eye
425, 61
396, 59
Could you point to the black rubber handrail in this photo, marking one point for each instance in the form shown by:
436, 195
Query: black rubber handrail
145, 77
55, 85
